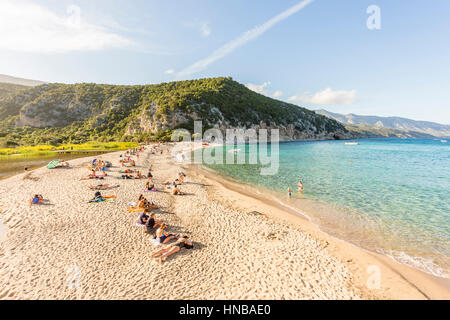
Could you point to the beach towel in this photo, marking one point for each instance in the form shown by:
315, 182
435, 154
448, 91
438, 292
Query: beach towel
155, 241
101, 200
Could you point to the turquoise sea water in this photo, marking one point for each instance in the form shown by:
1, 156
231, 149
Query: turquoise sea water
391, 196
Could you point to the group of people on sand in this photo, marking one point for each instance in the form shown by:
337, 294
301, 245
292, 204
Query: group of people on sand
175, 184
126, 160
157, 228
99, 165
147, 218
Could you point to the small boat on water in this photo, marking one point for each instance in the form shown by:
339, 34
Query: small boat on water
352, 143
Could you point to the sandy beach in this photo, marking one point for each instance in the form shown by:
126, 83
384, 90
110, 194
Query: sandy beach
244, 247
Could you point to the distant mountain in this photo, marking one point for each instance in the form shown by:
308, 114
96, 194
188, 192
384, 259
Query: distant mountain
389, 125
23, 82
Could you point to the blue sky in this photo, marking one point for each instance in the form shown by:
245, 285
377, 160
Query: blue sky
321, 55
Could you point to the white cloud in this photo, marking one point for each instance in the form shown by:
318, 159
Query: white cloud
241, 40
259, 88
29, 27
262, 89
170, 71
277, 94
206, 30
327, 96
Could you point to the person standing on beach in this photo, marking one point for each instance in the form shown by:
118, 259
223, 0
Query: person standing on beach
289, 192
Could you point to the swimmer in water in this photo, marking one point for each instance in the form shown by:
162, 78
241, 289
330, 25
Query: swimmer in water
300, 186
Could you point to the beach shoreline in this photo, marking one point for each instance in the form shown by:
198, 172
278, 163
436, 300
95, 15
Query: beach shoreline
246, 249
427, 285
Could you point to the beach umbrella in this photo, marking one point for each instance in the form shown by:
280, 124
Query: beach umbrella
52, 164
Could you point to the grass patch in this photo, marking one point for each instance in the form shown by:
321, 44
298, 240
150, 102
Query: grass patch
43, 150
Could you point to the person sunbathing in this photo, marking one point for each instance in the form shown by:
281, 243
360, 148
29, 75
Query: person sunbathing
183, 242
99, 198
62, 165
94, 175
147, 204
130, 163
152, 225
150, 187
143, 218
127, 171
139, 175
143, 203
176, 190
104, 187
37, 199
164, 236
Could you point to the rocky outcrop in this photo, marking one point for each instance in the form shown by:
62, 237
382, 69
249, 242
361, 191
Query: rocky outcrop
149, 122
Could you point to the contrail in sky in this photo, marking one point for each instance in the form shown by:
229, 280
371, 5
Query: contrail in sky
240, 41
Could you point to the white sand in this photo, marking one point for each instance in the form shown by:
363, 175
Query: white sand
50, 250
2, 230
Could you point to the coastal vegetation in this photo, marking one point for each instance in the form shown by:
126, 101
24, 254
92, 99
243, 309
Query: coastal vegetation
44, 150
57, 114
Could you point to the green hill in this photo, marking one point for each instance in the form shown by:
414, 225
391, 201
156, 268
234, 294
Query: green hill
57, 113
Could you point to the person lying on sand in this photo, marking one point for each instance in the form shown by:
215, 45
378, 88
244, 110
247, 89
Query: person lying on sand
143, 218
37, 199
99, 198
176, 190
150, 187
152, 225
139, 175
183, 242
164, 236
130, 163
94, 175
62, 165
104, 187
145, 204
127, 171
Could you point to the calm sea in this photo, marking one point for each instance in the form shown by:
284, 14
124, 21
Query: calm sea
391, 196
